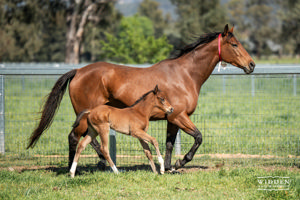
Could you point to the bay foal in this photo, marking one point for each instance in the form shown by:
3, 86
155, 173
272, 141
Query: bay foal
133, 120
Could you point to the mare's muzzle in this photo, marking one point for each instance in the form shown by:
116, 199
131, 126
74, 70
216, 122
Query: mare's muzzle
250, 68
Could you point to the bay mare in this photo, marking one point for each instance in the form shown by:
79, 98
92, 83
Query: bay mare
180, 78
133, 120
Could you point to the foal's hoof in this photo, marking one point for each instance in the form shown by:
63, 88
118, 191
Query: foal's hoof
178, 164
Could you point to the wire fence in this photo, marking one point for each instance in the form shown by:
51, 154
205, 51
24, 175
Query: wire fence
245, 119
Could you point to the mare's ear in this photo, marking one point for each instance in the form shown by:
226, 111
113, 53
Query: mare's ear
225, 30
155, 89
231, 30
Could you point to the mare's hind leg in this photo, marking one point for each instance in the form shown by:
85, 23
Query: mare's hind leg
81, 146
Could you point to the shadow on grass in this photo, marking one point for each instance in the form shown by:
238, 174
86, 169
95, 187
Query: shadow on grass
91, 168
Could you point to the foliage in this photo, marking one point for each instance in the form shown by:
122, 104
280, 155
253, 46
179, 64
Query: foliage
25, 28
109, 23
197, 17
36, 30
150, 9
291, 24
257, 24
135, 42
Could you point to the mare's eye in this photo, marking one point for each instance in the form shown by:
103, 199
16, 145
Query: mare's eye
234, 45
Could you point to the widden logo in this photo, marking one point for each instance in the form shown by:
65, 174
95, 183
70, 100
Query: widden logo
274, 183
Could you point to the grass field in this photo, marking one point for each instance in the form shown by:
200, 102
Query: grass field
224, 183
253, 115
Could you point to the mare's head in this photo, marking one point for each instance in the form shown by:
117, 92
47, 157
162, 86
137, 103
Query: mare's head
161, 102
232, 51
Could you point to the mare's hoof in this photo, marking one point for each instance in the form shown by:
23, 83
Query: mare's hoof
101, 165
172, 171
178, 164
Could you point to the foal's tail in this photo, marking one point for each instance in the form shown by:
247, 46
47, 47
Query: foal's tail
51, 106
79, 116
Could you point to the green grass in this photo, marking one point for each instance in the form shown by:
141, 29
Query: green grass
232, 117
225, 183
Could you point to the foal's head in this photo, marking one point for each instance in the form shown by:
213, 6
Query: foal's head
161, 102
232, 51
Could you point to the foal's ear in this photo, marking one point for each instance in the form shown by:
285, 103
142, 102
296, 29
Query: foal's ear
225, 30
155, 89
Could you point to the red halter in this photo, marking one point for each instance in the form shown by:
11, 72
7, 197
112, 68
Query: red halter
219, 46
220, 58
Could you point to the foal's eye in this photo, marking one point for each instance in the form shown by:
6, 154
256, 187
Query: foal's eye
162, 99
234, 45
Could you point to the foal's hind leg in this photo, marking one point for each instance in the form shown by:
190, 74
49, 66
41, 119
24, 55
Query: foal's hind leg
74, 137
81, 146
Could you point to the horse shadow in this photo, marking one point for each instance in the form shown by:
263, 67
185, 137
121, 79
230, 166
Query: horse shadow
92, 168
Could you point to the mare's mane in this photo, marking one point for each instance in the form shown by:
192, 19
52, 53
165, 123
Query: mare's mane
203, 39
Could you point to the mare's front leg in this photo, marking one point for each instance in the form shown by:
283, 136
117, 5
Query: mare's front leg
172, 131
184, 122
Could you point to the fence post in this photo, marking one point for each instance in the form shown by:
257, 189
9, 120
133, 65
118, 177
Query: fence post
178, 143
224, 84
295, 85
2, 116
253, 85
112, 145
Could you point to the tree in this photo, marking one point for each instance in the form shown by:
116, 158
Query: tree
150, 9
260, 15
291, 24
135, 42
79, 13
31, 30
199, 16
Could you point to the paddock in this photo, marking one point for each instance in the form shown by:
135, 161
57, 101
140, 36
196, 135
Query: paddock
246, 120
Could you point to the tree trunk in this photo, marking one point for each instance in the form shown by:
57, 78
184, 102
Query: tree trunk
75, 29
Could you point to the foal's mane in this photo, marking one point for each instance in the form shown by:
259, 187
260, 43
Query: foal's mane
203, 39
141, 98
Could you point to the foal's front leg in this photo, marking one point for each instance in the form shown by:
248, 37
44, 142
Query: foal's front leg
148, 154
144, 137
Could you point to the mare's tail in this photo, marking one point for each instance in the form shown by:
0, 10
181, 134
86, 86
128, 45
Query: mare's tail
51, 106
79, 116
